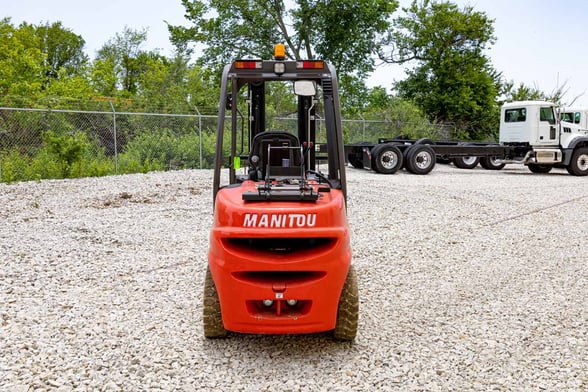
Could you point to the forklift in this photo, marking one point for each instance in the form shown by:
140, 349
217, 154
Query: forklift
279, 260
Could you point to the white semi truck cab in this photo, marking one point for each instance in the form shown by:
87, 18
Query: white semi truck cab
551, 142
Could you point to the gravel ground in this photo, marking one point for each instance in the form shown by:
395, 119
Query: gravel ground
470, 280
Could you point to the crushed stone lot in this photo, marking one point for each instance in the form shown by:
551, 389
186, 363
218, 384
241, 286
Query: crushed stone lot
470, 280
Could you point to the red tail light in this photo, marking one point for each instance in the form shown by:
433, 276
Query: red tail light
310, 64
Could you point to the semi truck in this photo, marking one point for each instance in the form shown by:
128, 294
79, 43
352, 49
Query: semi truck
531, 133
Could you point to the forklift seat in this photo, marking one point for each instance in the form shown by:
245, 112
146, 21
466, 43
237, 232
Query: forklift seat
276, 151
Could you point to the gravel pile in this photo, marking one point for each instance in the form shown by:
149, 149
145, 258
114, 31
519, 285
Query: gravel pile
469, 281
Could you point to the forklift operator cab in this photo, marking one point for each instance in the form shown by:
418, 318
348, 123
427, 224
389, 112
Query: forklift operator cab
278, 154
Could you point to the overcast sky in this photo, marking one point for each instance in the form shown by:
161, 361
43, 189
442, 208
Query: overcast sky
539, 42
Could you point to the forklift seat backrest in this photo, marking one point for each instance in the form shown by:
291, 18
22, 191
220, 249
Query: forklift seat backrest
284, 158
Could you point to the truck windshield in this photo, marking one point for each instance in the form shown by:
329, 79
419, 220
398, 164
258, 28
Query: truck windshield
546, 114
571, 117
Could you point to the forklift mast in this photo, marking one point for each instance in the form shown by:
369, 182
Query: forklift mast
255, 74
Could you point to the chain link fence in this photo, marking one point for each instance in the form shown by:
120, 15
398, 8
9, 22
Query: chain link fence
43, 143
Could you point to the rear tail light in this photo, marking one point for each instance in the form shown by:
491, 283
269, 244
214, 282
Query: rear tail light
248, 64
310, 64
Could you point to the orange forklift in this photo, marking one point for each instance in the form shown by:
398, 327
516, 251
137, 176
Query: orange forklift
279, 260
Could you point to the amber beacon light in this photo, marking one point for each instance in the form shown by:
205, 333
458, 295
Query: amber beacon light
279, 52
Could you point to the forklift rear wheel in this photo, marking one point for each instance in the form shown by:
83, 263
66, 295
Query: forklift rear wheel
211, 311
348, 310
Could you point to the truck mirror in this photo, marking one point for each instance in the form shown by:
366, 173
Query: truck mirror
305, 88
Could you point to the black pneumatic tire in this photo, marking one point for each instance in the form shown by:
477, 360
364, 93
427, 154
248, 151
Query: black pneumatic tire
348, 309
387, 159
419, 159
374, 154
535, 168
579, 163
212, 318
465, 162
489, 163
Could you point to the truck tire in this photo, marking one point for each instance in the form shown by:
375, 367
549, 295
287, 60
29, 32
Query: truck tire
490, 163
579, 163
387, 159
348, 309
535, 168
212, 318
374, 153
465, 162
419, 159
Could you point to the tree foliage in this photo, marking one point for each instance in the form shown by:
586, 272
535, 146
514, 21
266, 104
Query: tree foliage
344, 32
121, 61
63, 49
21, 60
523, 92
443, 47
451, 77
37, 61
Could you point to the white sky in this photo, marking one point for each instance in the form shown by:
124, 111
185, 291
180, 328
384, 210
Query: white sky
539, 42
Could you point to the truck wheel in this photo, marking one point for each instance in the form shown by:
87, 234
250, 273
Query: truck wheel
419, 159
535, 168
579, 164
387, 159
348, 309
211, 311
465, 162
491, 163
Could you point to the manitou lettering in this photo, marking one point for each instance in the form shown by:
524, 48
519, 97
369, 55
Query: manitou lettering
279, 221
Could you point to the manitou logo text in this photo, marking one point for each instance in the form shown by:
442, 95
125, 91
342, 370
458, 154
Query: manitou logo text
279, 221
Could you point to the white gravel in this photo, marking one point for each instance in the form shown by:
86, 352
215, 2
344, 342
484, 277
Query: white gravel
469, 281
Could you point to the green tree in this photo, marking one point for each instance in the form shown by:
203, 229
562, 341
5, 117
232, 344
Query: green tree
451, 78
402, 117
120, 62
344, 32
176, 86
39, 62
63, 49
21, 63
533, 93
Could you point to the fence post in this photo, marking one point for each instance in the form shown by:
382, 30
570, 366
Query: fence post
115, 142
363, 127
199, 133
